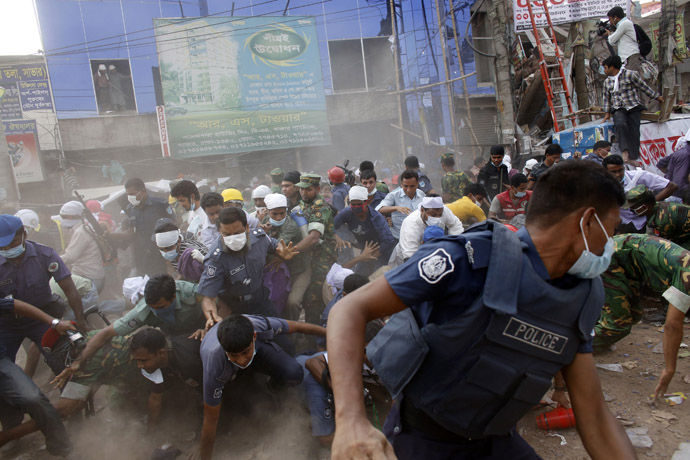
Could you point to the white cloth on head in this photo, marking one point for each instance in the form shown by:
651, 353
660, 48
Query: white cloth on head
167, 239
412, 230
429, 202
102, 67
72, 208
507, 161
111, 67
275, 200
531, 163
261, 191
336, 277
133, 288
358, 193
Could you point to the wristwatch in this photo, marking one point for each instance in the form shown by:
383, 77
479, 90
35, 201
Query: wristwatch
54, 322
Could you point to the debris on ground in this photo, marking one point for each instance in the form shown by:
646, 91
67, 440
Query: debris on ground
638, 437
629, 365
563, 441
611, 367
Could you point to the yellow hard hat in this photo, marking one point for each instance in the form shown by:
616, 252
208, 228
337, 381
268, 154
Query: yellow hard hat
171, 199
232, 194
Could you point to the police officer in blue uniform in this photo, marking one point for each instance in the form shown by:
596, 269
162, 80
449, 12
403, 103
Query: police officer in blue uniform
234, 268
25, 272
484, 320
144, 211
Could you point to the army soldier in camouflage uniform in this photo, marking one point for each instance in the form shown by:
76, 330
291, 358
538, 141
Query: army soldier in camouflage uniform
454, 183
320, 239
664, 267
666, 219
276, 179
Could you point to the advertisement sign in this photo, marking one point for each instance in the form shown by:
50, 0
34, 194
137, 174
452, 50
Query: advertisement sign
10, 107
679, 37
23, 150
35, 95
237, 84
561, 11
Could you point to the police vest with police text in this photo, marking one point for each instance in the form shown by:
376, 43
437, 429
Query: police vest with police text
480, 372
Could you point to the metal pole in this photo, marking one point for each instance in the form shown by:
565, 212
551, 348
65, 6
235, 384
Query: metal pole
7, 177
462, 75
431, 85
449, 86
397, 76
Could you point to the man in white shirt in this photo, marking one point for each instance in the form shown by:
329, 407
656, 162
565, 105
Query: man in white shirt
258, 195
431, 212
625, 37
212, 204
402, 201
186, 193
82, 254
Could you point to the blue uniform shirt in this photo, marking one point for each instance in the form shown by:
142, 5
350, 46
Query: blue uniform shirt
460, 286
424, 182
6, 309
593, 157
240, 273
378, 197
29, 281
218, 370
143, 218
339, 192
373, 228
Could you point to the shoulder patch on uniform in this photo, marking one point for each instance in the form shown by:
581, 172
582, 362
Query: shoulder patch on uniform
211, 270
133, 323
217, 393
470, 252
317, 214
435, 266
53, 267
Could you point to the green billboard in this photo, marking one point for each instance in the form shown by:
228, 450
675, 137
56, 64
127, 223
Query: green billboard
240, 84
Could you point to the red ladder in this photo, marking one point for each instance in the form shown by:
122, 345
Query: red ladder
545, 68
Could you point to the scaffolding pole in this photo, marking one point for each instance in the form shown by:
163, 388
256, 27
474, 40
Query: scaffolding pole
449, 86
396, 56
431, 85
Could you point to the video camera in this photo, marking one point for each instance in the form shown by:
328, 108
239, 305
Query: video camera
603, 26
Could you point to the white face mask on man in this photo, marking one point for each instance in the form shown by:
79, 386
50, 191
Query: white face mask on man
235, 242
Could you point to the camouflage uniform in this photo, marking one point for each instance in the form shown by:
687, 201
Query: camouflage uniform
112, 364
668, 220
382, 187
319, 217
290, 232
660, 264
276, 173
455, 183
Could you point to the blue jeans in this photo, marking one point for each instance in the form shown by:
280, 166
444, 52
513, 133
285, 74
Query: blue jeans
18, 396
321, 410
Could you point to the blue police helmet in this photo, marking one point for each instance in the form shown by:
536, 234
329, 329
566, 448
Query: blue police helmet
9, 225
431, 232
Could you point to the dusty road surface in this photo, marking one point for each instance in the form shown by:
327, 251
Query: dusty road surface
284, 433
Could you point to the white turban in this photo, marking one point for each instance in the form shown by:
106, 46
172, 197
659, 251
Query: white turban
102, 67
432, 202
359, 193
133, 288
261, 191
275, 200
111, 67
72, 208
167, 239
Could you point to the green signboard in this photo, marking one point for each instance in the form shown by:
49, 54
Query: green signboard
239, 84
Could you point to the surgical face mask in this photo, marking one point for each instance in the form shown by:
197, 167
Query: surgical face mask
169, 255
520, 194
433, 221
277, 223
15, 252
235, 242
192, 207
133, 200
373, 192
155, 376
358, 210
250, 361
590, 265
69, 223
167, 314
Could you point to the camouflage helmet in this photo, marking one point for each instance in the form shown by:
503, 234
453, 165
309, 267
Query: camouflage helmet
639, 195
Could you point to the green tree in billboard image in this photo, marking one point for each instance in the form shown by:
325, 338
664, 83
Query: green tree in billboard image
229, 94
279, 45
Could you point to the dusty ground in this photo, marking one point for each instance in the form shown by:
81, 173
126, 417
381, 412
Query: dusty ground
284, 433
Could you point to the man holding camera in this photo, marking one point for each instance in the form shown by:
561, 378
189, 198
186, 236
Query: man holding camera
623, 34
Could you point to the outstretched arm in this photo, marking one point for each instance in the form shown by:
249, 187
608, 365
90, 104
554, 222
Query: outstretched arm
673, 336
305, 328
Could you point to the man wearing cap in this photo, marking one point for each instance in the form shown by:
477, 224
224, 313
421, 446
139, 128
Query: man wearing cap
676, 166
234, 268
368, 226
233, 198
667, 220
454, 183
212, 204
83, 255
280, 225
36, 232
19, 394
277, 175
600, 150
402, 201
658, 264
339, 189
412, 163
494, 175
290, 190
101, 81
431, 212
529, 165
320, 239
258, 195
25, 272
143, 212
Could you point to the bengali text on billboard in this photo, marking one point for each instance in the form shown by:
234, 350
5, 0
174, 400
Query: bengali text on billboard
561, 11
